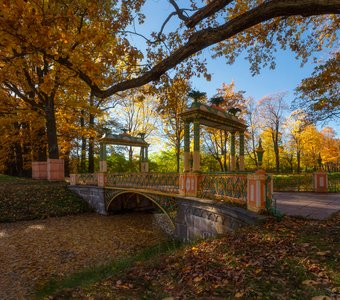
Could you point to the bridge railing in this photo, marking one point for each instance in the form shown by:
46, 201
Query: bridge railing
168, 183
84, 178
227, 187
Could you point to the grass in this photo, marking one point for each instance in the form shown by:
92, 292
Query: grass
89, 276
287, 259
28, 199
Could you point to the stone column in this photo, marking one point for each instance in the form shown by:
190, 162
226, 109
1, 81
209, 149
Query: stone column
232, 152
259, 190
320, 182
186, 158
241, 151
197, 162
145, 162
102, 162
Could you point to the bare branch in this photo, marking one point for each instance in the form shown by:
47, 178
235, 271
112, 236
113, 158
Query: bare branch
179, 11
206, 11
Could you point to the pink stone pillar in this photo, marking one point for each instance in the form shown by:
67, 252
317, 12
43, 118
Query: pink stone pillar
55, 169
101, 179
39, 170
320, 181
256, 191
190, 184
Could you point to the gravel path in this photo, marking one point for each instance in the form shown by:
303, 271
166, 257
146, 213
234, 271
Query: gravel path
32, 252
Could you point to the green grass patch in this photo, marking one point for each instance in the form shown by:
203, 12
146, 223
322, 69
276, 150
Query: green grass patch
6, 178
27, 199
60, 288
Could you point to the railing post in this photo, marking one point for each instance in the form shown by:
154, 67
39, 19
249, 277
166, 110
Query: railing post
256, 191
101, 178
73, 179
320, 182
190, 184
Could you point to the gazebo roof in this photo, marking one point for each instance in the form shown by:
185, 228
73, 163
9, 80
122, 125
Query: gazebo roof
123, 139
213, 117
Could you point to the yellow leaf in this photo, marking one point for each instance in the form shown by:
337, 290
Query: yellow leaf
309, 282
239, 295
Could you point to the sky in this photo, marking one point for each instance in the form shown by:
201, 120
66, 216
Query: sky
284, 78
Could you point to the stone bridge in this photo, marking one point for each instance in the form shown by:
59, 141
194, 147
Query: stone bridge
218, 206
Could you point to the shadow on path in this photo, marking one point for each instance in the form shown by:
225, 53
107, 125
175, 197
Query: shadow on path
309, 205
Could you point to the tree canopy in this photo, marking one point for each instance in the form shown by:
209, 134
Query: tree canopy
69, 33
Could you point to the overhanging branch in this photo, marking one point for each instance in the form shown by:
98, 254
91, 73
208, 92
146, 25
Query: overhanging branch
210, 36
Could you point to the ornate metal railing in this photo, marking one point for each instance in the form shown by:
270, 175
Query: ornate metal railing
334, 182
293, 183
87, 179
227, 187
168, 183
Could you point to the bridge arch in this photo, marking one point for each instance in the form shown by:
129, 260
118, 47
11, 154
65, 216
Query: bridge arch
147, 196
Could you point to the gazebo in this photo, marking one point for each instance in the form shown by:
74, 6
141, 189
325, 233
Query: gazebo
124, 139
211, 116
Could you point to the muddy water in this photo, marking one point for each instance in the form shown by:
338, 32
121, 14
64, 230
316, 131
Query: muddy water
31, 252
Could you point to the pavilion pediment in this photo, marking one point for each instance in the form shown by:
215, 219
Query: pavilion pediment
213, 117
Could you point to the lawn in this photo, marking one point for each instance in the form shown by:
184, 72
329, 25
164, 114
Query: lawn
28, 199
288, 259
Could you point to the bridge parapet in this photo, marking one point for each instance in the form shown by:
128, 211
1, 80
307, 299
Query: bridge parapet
250, 190
164, 182
226, 187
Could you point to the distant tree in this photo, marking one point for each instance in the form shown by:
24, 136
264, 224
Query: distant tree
296, 124
173, 101
271, 109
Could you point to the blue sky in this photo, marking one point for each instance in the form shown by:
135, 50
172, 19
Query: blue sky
284, 78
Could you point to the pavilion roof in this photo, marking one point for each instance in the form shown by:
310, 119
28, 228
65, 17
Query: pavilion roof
123, 139
213, 116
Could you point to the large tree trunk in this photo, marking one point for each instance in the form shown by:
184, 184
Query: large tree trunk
51, 127
83, 144
19, 161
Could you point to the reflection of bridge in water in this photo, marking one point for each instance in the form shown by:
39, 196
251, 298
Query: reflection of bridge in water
197, 205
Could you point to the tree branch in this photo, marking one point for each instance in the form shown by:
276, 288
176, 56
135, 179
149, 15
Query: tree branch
206, 11
210, 36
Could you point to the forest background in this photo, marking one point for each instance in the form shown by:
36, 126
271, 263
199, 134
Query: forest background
53, 57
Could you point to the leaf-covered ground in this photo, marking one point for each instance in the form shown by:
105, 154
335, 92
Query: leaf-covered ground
34, 252
290, 259
28, 199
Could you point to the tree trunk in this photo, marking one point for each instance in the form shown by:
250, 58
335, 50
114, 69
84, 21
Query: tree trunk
40, 153
91, 139
51, 127
83, 144
91, 147
178, 151
298, 158
19, 161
